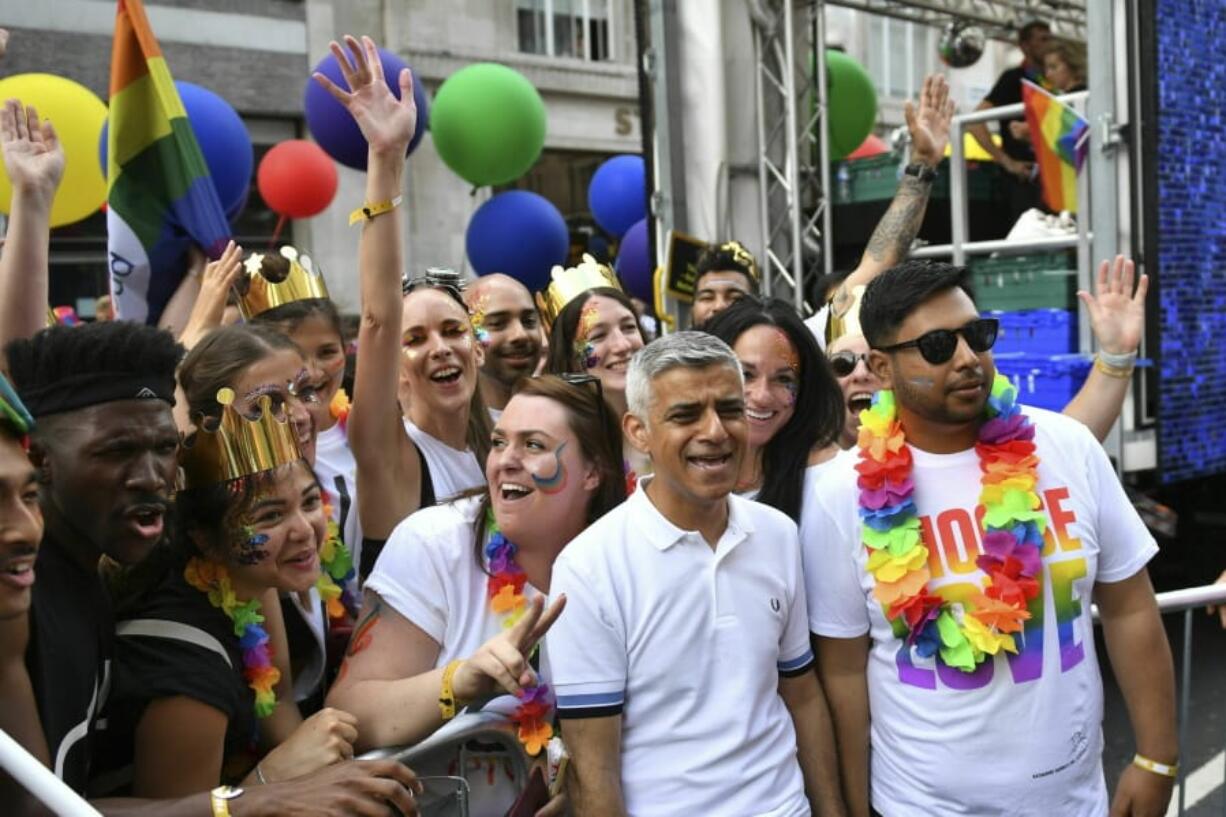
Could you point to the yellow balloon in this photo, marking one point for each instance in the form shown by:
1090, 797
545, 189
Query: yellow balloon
77, 115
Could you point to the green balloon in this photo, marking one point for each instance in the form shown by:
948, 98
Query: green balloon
488, 123
851, 101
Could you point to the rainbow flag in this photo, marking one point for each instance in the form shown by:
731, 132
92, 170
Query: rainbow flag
1061, 139
159, 191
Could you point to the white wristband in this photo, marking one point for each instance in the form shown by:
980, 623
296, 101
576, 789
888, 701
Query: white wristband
1118, 361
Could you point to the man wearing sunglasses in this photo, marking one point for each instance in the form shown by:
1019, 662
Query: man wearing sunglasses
1013, 722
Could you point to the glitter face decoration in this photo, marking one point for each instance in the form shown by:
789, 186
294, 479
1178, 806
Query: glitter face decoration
783, 347
556, 482
584, 350
476, 315
251, 547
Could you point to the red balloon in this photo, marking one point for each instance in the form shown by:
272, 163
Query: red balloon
872, 146
297, 179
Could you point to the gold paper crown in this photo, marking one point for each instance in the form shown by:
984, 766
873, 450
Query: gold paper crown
743, 257
234, 446
303, 282
569, 284
848, 323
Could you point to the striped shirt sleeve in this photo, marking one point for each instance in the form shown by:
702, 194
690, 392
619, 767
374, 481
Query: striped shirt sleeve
587, 648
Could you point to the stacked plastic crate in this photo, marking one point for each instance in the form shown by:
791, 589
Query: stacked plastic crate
1033, 297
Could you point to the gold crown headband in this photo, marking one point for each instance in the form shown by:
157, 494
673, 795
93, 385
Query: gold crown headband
234, 446
743, 257
303, 282
568, 284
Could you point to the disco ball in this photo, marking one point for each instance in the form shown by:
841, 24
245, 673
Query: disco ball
961, 44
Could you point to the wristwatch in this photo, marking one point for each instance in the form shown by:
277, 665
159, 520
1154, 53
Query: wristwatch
920, 171
221, 797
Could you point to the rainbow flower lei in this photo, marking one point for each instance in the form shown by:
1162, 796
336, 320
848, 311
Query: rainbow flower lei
335, 583
339, 409
963, 634
505, 588
214, 580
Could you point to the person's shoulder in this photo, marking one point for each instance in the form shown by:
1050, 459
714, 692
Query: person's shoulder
599, 540
836, 475
763, 519
1056, 431
442, 528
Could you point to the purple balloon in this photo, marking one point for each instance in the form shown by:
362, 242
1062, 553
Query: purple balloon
332, 126
634, 264
518, 233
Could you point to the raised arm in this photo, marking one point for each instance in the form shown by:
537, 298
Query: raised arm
891, 241
1117, 316
389, 474
34, 162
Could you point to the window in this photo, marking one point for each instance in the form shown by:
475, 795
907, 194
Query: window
899, 54
579, 29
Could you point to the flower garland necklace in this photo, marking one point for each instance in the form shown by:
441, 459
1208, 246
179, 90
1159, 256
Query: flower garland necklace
336, 574
965, 633
339, 409
214, 580
505, 589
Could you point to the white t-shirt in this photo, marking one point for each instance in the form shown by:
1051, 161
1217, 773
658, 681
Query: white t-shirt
338, 473
687, 643
1022, 735
451, 471
428, 573
817, 325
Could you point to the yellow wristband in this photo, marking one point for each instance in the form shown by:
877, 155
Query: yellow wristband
446, 696
220, 798
368, 211
1156, 767
1112, 371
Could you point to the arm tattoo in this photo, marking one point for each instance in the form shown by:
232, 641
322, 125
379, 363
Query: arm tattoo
891, 241
363, 631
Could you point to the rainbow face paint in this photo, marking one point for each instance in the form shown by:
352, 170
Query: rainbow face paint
476, 316
557, 481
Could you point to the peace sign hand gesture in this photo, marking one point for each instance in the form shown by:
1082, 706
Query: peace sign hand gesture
386, 122
503, 660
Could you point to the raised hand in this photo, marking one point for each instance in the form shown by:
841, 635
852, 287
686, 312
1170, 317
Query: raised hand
386, 122
33, 156
215, 284
1117, 314
929, 123
503, 660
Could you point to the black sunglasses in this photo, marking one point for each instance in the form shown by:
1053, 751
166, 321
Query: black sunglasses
939, 345
581, 379
844, 363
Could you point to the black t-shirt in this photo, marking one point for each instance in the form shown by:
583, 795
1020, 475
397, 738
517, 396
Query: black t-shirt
69, 657
1008, 91
175, 643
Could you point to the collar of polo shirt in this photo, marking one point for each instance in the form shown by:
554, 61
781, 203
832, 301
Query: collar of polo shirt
664, 534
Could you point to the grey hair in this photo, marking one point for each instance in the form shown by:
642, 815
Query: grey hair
693, 350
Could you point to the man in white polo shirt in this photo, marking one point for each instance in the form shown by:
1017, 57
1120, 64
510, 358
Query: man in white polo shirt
682, 665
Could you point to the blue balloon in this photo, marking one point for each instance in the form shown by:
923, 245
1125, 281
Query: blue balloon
223, 140
617, 195
518, 233
333, 127
634, 265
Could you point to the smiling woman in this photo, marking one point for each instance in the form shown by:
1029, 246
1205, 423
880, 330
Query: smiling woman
453, 578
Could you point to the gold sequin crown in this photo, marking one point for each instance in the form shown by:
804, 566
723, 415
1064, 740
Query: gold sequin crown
743, 257
234, 446
269, 285
568, 284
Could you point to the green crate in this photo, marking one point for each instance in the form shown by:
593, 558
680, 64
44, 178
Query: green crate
876, 179
1039, 281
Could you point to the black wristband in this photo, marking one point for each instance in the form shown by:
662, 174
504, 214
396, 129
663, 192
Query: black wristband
920, 171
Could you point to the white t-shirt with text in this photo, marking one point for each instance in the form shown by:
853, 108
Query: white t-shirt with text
1022, 735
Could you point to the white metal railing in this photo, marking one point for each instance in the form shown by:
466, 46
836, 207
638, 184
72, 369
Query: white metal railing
1187, 601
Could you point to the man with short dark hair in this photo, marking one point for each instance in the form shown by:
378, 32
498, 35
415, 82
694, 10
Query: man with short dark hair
506, 323
726, 273
682, 666
951, 564
1015, 155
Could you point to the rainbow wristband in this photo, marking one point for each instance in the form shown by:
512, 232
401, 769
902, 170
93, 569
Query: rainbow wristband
1156, 767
